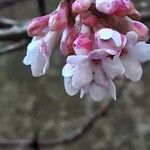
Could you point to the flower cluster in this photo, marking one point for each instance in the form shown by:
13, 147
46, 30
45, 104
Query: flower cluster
101, 40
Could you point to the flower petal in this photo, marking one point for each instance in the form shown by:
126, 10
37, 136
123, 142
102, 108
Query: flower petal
76, 60
98, 92
39, 61
68, 70
140, 51
112, 89
98, 54
132, 38
117, 38
69, 88
133, 68
105, 34
82, 75
113, 67
82, 92
99, 77
111, 51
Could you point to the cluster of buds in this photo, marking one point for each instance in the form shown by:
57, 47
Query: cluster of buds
101, 40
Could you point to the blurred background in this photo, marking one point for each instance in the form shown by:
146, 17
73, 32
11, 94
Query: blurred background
39, 108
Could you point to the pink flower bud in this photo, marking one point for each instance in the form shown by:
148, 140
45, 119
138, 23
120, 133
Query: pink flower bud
81, 5
125, 7
74, 32
37, 25
112, 41
59, 18
115, 7
84, 43
63, 43
135, 15
89, 20
126, 24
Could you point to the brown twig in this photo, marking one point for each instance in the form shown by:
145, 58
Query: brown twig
11, 30
68, 140
13, 34
77, 135
13, 47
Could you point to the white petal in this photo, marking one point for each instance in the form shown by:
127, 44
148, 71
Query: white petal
31, 50
141, 51
111, 51
74, 60
132, 38
39, 61
133, 68
82, 75
68, 70
39, 52
82, 92
105, 6
69, 88
112, 89
98, 54
100, 77
98, 92
40, 65
117, 38
105, 34
113, 67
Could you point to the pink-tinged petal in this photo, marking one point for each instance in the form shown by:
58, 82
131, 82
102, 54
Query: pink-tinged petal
117, 38
98, 92
132, 38
39, 52
81, 5
82, 75
111, 51
68, 70
37, 25
72, 36
140, 51
77, 60
125, 7
126, 24
36, 59
63, 43
83, 44
142, 30
105, 34
133, 68
69, 88
113, 67
135, 15
112, 89
59, 18
99, 76
98, 54
112, 41
116, 7
106, 6
124, 41
88, 19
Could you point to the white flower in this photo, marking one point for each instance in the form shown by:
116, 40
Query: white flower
39, 52
81, 73
135, 52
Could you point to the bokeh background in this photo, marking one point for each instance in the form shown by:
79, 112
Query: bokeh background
40, 107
